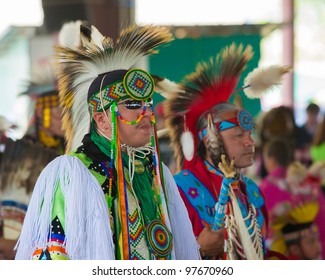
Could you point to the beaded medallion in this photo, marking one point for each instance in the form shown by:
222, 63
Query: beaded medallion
245, 120
138, 84
159, 238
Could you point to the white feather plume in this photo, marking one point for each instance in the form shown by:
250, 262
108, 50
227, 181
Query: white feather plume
91, 38
97, 37
167, 88
187, 142
69, 35
263, 80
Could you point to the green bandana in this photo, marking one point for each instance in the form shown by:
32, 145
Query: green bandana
142, 179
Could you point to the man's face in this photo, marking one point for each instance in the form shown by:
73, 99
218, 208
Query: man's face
239, 146
138, 134
310, 247
55, 128
56, 122
312, 118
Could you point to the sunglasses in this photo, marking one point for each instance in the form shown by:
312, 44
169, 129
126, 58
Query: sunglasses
132, 104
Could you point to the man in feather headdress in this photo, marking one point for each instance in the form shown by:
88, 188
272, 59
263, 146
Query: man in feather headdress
45, 123
110, 197
24, 159
213, 143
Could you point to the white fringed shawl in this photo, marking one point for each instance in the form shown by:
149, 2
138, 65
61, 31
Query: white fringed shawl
87, 228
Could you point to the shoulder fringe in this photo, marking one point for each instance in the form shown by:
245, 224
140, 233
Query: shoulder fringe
184, 241
87, 227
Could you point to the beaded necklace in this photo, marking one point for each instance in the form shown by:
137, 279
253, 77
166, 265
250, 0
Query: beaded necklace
145, 184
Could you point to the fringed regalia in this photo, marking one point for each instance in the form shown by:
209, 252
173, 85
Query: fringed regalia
106, 200
22, 162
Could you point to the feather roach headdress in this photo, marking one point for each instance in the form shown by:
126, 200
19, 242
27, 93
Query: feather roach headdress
44, 96
96, 64
42, 82
213, 83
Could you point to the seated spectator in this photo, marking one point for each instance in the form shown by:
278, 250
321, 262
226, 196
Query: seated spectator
288, 185
301, 234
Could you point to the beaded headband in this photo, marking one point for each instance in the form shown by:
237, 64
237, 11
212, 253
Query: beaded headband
136, 84
244, 120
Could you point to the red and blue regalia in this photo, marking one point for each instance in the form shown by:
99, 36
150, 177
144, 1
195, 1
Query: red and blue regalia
198, 113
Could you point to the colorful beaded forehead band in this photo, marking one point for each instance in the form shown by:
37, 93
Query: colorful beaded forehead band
136, 84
